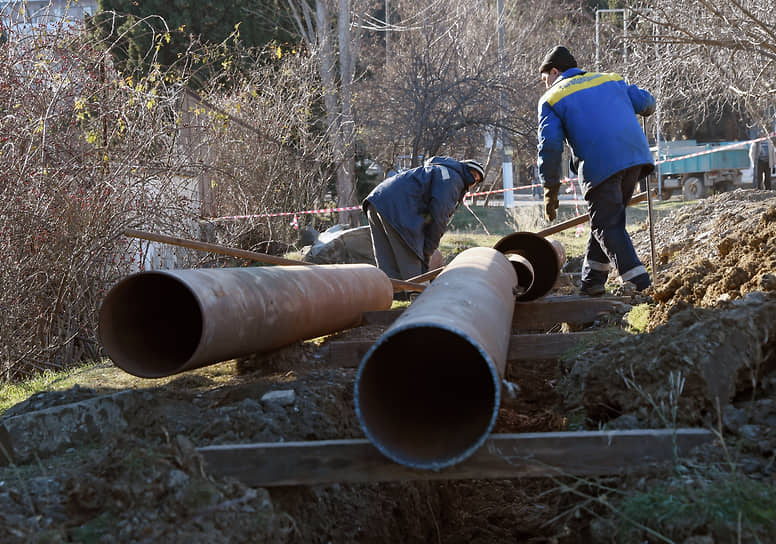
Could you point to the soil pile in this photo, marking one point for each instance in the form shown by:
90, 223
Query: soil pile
714, 251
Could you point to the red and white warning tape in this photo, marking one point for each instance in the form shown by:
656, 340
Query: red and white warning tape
481, 193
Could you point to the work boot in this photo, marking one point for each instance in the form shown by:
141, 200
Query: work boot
592, 290
626, 289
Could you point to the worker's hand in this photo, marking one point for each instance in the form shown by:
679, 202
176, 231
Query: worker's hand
436, 260
551, 202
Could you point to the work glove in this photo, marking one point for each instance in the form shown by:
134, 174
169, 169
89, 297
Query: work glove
551, 202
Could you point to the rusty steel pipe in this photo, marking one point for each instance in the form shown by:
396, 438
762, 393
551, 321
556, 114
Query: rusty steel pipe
537, 262
159, 323
427, 392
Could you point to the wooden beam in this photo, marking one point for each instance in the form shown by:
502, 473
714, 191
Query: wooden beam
582, 453
535, 347
545, 313
398, 285
383, 318
542, 314
523, 347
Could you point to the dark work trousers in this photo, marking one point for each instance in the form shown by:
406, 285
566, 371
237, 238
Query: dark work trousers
392, 254
609, 242
762, 174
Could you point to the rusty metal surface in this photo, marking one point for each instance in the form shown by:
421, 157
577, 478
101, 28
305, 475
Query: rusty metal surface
159, 323
545, 258
427, 392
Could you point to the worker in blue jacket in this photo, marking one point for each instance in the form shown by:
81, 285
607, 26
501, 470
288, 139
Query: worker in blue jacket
595, 113
409, 212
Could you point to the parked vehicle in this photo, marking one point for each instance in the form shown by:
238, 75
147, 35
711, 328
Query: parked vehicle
696, 173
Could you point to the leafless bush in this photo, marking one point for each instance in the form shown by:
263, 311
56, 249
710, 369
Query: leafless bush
261, 148
83, 155
86, 152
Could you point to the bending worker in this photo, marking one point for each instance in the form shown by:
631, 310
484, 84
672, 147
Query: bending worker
596, 114
408, 213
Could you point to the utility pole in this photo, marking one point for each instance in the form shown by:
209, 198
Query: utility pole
506, 151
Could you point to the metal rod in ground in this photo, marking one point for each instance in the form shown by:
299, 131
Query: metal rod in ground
652, 259
398, 285
427, 392
160, 323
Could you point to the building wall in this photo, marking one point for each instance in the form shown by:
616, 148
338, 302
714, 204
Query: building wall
23, 15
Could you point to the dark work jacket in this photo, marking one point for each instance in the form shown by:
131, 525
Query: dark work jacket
419, 203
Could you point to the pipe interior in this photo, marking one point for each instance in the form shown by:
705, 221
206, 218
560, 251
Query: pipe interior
427, 395
150, 324
523, 269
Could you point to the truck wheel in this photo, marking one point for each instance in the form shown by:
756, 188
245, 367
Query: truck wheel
693, 188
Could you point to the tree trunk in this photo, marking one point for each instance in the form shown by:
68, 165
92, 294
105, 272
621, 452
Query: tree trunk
346, 167
337, 95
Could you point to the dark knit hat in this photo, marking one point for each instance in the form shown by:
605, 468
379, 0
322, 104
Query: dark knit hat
558, 57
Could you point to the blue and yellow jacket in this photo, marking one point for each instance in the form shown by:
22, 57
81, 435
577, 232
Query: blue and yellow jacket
596, 114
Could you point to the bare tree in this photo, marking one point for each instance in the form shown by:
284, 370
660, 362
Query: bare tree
443, 88
264, 154
318, 33
707, 59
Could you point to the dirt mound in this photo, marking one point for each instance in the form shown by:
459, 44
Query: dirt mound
717, 250
683, 371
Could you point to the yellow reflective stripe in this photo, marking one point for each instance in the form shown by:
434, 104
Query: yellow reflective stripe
577, 83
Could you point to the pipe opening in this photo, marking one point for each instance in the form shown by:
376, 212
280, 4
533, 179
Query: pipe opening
427, 397
524, 271
542, 256
150, 324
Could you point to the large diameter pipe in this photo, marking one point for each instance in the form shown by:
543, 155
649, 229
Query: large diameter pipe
159, 323
536, 260
427, 392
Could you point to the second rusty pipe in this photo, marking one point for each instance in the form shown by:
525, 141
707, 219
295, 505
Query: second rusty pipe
159, 323
537, 262
427, 392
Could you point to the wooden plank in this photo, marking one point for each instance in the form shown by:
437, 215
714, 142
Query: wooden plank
535, 347
541, 314
524, 347
398, 285
583, 453
546, 313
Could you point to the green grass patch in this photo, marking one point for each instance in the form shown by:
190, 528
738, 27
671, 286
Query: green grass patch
638, 318
727, 504
453, 243
49, 380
